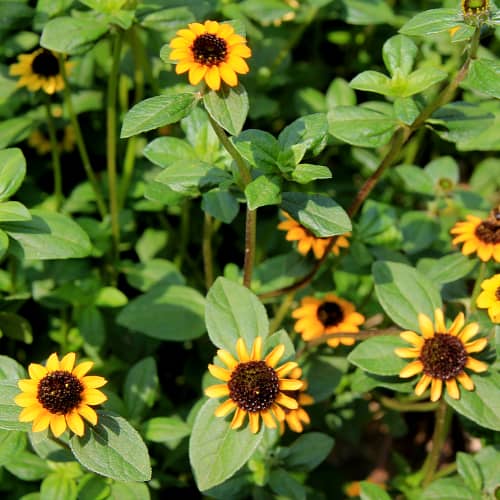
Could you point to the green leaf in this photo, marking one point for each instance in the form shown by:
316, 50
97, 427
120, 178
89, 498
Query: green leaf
11, 369
228, 107
339, 93
488, 459
47, 235
233, 311
404, 293
365, 12
318, 213
449, 488
11, 211
307, 172
4, 243
262, 191
421, 79
443, 168
308, 451
470, 471
399, 54
406, 109
378, 225
259, 148
285, 485
430, 22
168, 430
113, 448
183, 306
484, 76
17, 129
28, 467
419, 231
58, 486
415, 179
447, 269
15, 327
93, 487
310, 131
372, 81
361, 126
129, 491
12, 171
156, 112
371, 491
323, 375
9, 411
482, 404
216, 452
220, 204
164, 151
363, 381
140, 388
376, 355
11, 444
72, 35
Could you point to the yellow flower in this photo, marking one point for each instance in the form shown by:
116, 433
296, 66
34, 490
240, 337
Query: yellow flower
40, 140
442, 354
296, 418
475, 7
478, 235
254, 386
39, 70
60, 394
489, 298
210, 51
307, 240
318, 317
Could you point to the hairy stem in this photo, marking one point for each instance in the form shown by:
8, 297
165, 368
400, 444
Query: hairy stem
394, 404
208, 262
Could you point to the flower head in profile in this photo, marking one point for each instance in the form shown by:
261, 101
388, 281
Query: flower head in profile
442, 355
479, 235
39, 70
40, 140
254, 386
306, 240
210, 51
331, 314
295, 419
59, 394
475, 11
489, 298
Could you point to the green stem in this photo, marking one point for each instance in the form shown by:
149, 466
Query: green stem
208, 262
281, 312
56, 159
184, 233
101, 205
477, 286
130, 153
441, 429
111, 144
394, 404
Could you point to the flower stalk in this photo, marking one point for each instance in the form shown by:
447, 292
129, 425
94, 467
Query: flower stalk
56, 159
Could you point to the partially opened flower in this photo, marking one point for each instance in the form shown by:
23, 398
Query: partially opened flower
306, 240
489, 298
59, 394
210, 51
479, 235
298, 417
40, 140
39, 70
331, 314
254, 386
442, 355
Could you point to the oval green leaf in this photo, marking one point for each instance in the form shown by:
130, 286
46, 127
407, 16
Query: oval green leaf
12, 171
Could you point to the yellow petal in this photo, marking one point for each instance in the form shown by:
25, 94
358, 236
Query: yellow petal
476, 346
436, 389
268, 419
457, 324
238, 64
227, 358
26, 399
30, 413
407, 352
485, 252
290, 385
41, 422
212, 78
254, 421
196, 73
275, 355
426, 326
241, 350
293, 422
411, 369
475, 365
452, 388
279, 413
439, 321
468, 332
283, 370
238, 418
93, 381
88, 414
256, 354
27, 385
93, 397
219, 372
67, 362
228, 75
225, 408
217, 391
36, 371
75, 423
466, 381
82, 369
422, 384
412, 338
57, 424
286, 401
52, 364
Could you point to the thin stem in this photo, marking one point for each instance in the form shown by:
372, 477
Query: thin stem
208, 262
111, 144
281, 312
477, 286
56, 159
184, 233
441, 428
101, 205
394, 404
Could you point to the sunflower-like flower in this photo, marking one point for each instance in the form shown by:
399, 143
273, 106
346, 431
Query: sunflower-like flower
489, 298
39, 70
306, 239
296, 418
478, 235
40, 141
254, 385
60, 394
442, 354
331, 314
210, 51
475, 10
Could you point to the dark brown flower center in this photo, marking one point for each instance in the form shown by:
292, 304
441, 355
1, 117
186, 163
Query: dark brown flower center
45, 64
253, 386
443, 356
60, 392
330, 314
488, 232
209, 49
